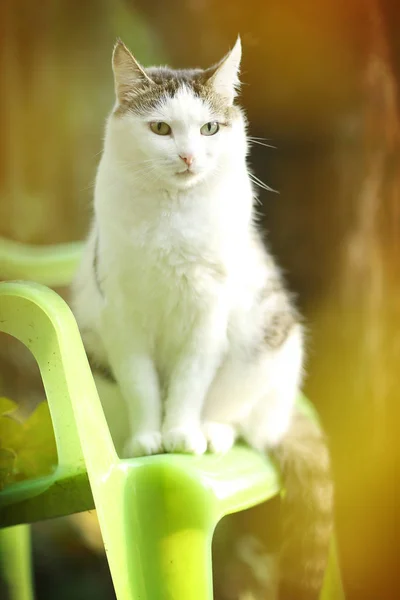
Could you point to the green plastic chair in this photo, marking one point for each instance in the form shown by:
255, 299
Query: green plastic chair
157, 514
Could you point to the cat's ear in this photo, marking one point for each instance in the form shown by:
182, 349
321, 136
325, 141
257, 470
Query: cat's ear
127, 71
224, 78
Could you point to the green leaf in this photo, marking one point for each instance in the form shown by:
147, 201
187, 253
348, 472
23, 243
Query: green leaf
7, 460
27, 450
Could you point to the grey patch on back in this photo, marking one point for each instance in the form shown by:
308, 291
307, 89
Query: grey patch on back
96, 265
273, 286
280, 323
145, 96
101, 369
278, 328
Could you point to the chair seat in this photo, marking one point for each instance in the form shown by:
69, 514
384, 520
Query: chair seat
232, 482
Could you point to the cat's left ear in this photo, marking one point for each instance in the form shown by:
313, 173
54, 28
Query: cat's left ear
224, 78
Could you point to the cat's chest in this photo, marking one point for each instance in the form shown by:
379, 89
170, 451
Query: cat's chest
166, 267
172, 247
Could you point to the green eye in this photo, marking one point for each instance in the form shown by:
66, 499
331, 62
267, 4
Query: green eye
210, 128
160, 128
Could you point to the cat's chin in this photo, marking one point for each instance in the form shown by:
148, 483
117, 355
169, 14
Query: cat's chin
187, 179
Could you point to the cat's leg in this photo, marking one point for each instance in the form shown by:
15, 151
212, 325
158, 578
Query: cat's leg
253, 396
118, 352
237, 387
220, 436
182, 431
137, 379
189, 382
270, 417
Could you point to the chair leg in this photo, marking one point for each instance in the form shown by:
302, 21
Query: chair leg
15, 561
157, 529
333, 587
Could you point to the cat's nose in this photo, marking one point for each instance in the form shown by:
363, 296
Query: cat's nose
187, 159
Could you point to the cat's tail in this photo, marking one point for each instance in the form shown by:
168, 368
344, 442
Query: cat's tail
307, 509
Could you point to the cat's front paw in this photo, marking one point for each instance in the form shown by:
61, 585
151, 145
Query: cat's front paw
220, 436
143, 444
188, 440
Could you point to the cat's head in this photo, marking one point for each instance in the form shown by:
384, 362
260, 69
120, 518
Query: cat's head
176, 128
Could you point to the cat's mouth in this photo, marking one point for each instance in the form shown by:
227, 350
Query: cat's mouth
185, 173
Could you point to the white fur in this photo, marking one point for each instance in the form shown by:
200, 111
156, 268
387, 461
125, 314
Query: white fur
180, 270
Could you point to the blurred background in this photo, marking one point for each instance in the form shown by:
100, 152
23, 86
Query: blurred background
321, 82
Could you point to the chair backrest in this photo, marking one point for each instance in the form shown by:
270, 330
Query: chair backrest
50, 265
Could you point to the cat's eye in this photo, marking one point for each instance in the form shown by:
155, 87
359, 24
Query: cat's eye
160, 128
210, 128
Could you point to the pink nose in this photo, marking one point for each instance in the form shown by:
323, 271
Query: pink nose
188, 159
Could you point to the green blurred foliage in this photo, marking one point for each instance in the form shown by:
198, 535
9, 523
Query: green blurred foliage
27, 449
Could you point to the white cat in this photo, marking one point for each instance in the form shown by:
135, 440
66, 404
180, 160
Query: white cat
177, 298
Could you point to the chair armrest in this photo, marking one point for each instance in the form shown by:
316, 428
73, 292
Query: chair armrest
41, 320
49, 265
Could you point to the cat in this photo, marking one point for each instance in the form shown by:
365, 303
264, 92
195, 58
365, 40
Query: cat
181, 304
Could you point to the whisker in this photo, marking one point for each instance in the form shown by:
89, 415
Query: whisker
256, 141
257, 200
141, 169
254, 137
158, 161
90, 186
261, 184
